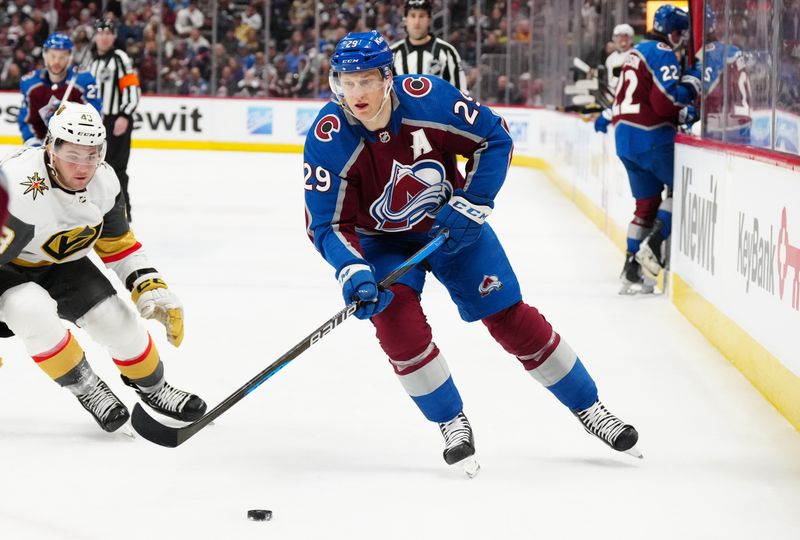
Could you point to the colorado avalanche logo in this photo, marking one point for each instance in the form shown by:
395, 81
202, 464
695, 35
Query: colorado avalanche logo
417, 86
489, 284
414, 192
326, 127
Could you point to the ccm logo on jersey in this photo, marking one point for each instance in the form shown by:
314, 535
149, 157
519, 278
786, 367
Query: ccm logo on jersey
417, 86
326, 127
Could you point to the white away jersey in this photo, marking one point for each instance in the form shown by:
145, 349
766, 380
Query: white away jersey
47, 224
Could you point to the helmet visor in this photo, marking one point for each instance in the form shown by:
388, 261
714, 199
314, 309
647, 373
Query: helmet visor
345, 85
80, 154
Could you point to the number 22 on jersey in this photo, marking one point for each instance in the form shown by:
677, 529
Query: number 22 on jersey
627, 85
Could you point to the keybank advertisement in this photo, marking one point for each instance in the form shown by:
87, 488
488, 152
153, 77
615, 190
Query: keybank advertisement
736, 241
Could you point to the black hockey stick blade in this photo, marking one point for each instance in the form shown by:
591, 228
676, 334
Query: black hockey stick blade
171, 437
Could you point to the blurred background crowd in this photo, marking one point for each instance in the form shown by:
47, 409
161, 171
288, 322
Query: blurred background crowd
512, 51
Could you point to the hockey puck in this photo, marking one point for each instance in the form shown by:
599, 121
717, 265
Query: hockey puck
259, 515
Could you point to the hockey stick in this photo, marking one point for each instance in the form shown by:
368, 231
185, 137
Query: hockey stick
74, 78
156, 432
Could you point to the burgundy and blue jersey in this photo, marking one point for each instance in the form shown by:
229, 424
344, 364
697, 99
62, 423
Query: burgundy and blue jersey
649, 96
396, 179
41, 98
733, 115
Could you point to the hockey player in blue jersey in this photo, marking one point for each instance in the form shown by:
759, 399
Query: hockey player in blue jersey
43, 90
652, 98
380, 178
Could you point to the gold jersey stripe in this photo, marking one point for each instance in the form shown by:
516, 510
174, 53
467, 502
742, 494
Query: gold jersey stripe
142, 366
58, 364
108, 247
28, 264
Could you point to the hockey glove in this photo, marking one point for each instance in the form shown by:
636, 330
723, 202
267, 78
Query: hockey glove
691, 80
602, 121
463, 216
155, 301
688, 115
358, 283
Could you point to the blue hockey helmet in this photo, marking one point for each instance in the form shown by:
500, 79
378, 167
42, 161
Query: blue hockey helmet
361, 51
710, 22
669, 19
59, 41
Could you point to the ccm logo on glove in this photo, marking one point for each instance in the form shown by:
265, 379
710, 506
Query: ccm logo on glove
476, 213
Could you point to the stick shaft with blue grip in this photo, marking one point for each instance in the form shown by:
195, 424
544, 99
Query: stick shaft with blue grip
169, 436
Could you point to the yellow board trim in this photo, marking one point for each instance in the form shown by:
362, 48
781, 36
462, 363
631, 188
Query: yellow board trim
778, 384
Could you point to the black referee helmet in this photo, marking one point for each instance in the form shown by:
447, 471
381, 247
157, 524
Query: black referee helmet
105, 24
418, 4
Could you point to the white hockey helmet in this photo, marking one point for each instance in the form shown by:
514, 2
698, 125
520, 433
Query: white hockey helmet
77, 123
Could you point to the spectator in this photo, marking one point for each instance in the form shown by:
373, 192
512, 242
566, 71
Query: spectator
252, 18
623, 42
195, 42
188, 18
504, 84
11, 77
250, 86
131, 30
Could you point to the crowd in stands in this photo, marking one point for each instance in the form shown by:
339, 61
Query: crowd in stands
246, 60
242, 62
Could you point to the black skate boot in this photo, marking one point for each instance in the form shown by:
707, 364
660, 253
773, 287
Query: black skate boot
171, 402
608, 428
650, 254
459, 445
106, 408
633, 282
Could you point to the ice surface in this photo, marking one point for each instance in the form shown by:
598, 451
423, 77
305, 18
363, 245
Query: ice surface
334, 447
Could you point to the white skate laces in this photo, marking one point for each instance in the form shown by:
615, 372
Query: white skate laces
99, 401
459, 445
609, 429
168, 398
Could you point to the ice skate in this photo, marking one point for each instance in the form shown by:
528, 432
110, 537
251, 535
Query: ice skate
171, 402
106, 408
459, 445
608, 428
650, 255
633, 282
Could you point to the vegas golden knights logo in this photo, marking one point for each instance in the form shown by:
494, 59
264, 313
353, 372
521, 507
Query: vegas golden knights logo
65, 243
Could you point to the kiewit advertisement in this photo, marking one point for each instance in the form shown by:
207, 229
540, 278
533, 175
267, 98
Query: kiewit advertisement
736, 242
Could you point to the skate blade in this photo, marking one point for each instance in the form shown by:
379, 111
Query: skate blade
470, 466
125, 432
633, 451
632, 289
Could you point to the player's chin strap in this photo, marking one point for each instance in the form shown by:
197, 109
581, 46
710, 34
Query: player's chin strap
386, 90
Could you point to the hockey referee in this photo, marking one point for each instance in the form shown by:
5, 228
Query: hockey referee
423, 53
120, 90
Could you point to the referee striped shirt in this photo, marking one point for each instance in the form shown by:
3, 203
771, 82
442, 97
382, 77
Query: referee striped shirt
118, 82
436, 57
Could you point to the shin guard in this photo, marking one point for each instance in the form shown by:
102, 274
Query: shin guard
406, 338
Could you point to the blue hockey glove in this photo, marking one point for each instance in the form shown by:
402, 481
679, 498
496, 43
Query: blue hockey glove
358, 283
688, 115
602, 121
691, 79
463, 216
